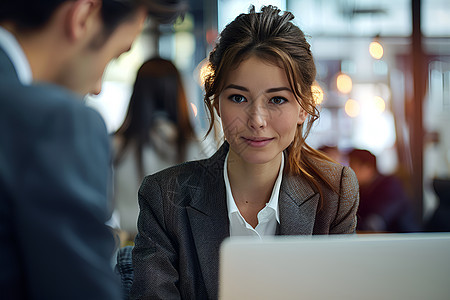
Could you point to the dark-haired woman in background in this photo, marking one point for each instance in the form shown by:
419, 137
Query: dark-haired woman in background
156, 134
264, 180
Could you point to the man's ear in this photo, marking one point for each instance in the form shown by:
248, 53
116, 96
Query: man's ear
97, 89
81, 17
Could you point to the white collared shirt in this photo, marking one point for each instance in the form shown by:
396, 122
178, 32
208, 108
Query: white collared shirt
11, 46
268, 217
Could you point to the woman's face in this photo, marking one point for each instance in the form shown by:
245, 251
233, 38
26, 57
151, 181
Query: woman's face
259, 111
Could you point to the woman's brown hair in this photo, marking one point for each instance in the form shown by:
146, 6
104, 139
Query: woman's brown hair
270, 35
158, 91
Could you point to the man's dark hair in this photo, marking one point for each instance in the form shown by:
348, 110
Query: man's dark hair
34, 14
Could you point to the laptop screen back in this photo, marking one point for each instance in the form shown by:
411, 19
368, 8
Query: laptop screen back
381, 266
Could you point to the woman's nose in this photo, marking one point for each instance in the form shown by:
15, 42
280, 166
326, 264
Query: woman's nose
257, 116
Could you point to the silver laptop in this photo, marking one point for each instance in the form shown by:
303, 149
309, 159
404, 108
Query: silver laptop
380, 266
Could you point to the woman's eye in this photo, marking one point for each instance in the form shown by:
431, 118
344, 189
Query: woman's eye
278, 100
237, 98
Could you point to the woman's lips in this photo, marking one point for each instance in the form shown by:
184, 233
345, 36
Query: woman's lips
257, 141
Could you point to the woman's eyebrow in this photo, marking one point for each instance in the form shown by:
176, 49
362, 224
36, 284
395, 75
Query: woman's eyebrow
278, 89
271, 90
237, 87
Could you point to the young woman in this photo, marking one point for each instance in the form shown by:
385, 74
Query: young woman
156, 134
264, 180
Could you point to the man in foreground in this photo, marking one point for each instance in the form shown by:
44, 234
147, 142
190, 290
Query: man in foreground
54, 151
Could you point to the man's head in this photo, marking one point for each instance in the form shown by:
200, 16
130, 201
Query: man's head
32, 14
70, 42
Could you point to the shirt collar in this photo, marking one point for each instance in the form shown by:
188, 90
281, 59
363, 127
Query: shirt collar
18, 58
273, 201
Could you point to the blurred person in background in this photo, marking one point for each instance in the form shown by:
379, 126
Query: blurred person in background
440, 220
384, 203
333, 152
156, 133
437, 171
55, 157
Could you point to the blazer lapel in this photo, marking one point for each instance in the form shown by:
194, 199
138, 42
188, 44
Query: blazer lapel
208, 217
298, 205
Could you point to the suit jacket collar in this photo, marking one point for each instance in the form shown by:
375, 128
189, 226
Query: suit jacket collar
15, 56
7, 70
208, 214
210, 183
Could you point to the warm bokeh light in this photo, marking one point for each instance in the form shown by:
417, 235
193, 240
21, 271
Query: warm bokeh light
379, 104
352, 108
317, 93
344, 83
376, 50
205, 70
194, 109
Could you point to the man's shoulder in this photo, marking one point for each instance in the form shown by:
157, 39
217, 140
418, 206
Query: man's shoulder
43, 95
44, 104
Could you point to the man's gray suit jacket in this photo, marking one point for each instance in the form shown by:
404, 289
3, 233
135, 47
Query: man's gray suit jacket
54, 177
183, 220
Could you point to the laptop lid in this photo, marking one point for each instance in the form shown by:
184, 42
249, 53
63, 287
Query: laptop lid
379, 266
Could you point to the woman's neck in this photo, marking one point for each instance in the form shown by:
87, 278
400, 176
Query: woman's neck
252, 183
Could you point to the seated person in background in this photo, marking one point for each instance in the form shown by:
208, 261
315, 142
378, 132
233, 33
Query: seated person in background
156, 134
384, 204
263, 181
440, 220
333, 152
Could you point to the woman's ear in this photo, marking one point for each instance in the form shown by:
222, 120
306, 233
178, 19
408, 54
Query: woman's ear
216, 105
80, 18
302, 115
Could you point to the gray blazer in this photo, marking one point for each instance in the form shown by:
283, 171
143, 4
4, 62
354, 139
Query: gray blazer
54, 177
183, 220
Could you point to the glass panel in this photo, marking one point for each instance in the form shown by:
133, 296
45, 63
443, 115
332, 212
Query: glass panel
436, 18
353, 18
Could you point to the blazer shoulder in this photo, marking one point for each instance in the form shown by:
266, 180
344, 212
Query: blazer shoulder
337, 174
193, 174
180, 172
212, 166
330, 170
